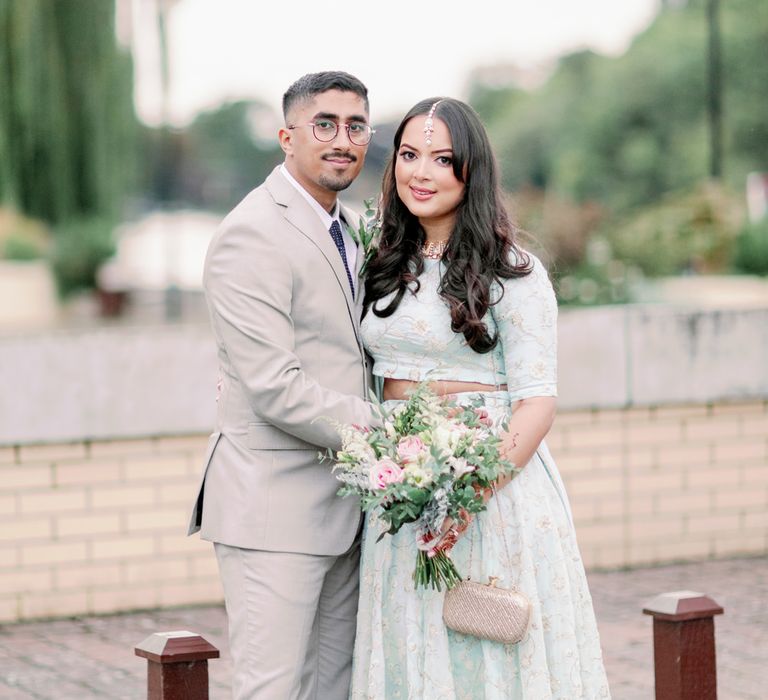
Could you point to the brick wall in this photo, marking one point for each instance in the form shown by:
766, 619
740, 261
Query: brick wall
99, 527
655, 485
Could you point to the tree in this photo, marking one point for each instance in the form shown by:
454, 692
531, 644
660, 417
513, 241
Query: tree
67, 124
215, 161
626, 131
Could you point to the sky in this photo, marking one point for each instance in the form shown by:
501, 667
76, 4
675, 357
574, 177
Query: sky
403, 50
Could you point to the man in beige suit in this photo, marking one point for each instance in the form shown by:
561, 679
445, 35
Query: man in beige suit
284, 298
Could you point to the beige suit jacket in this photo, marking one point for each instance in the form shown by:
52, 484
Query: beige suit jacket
288, 336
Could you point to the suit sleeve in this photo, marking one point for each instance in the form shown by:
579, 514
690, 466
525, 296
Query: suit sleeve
248, 284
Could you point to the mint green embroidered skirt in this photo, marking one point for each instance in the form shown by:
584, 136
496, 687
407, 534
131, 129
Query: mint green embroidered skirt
403, 650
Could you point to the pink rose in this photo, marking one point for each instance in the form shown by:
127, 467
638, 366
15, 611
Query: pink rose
409, 449
385, 472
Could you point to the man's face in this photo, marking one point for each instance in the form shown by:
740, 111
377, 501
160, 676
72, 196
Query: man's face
324, 168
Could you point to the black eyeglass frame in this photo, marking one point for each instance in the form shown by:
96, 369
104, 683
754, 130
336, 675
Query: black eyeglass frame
370, 131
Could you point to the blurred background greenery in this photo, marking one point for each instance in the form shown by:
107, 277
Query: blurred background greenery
621, 168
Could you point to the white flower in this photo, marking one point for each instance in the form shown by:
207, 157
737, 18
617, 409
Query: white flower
446, 436
481, 435
418, 474
460, 466
356, 446
389, 429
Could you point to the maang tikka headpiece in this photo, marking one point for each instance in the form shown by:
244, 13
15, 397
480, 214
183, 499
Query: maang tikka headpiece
429, 123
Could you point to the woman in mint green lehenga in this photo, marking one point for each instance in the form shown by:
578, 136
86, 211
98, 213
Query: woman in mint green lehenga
452, 299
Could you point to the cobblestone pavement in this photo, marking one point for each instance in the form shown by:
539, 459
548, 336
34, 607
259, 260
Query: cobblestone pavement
92, 657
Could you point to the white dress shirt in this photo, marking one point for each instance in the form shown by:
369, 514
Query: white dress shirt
350, 247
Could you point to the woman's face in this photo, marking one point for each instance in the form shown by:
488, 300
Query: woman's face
424, 174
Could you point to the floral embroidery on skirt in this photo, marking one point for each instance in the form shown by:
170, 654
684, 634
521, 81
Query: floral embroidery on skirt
403, 650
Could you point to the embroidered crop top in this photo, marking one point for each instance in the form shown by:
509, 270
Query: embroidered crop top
416, 342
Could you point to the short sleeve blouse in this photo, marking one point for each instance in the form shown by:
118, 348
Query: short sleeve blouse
417, 343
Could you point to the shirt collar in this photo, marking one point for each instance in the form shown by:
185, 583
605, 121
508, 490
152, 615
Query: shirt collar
325, 217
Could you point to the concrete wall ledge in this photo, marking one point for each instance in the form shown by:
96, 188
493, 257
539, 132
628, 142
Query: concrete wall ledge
122, 382
647, 355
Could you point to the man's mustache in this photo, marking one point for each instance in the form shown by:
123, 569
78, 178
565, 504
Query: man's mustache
343, 154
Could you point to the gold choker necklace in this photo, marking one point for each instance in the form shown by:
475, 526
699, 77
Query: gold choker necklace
434, 249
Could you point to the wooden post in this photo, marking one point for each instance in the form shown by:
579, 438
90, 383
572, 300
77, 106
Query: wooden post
177, 666
684, 645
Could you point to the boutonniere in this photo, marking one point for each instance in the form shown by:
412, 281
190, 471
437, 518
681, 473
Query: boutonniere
368, 233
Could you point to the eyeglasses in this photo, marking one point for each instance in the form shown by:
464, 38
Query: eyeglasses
326, 130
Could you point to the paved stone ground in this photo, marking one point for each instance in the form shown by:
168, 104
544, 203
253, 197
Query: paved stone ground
92, 657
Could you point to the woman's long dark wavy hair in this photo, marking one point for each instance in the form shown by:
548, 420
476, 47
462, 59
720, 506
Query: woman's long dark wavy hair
481, 248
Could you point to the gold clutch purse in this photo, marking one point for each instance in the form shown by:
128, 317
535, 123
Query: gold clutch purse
486, 611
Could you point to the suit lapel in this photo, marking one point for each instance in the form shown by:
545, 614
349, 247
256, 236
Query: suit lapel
353, 220
300, 215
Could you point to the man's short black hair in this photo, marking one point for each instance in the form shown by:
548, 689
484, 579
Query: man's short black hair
306, 87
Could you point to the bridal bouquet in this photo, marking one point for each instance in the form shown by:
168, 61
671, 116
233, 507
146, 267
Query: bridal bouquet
430, 459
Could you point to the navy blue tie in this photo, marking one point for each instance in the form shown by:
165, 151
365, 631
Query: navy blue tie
335, 232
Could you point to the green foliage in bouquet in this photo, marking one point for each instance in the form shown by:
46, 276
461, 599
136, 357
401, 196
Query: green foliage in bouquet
430, 459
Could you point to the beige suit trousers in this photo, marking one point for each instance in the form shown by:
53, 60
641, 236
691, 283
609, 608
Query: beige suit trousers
292, 621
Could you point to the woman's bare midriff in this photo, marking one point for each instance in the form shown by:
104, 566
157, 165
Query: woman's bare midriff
401, 388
